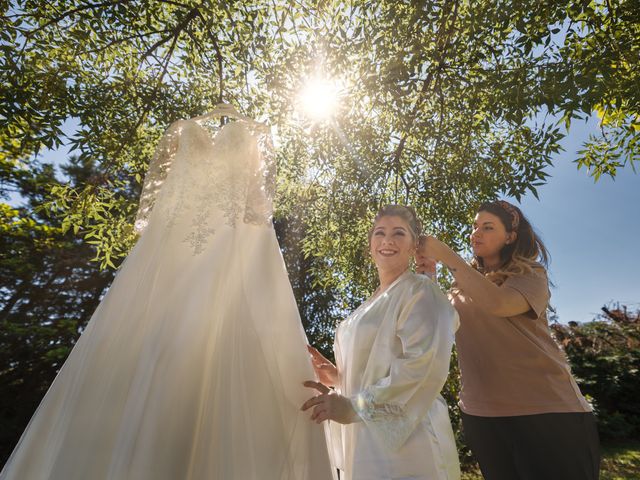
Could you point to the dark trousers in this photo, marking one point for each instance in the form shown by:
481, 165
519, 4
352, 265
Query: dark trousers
548, 446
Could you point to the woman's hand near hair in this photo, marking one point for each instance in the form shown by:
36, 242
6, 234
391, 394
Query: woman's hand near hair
502, 301
425, 265
325, 370
425, 261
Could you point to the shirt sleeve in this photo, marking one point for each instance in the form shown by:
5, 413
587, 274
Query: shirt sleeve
393, 406
534, 287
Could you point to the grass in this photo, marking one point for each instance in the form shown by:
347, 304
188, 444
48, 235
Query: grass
471, 475
620, 461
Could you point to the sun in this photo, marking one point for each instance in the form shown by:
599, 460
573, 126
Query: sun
318, 99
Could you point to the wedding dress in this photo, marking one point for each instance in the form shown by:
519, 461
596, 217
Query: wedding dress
192, 365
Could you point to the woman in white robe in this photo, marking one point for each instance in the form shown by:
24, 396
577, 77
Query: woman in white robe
387, 417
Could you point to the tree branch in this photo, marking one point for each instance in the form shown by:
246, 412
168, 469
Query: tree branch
166, 61
175, 32
118, 41
219, 57
72, 12
442, 44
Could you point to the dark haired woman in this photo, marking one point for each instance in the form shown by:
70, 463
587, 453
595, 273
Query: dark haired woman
523, 414
392, 355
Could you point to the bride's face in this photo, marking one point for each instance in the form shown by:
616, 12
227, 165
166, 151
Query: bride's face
392, 246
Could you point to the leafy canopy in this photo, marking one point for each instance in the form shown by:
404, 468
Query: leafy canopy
443, 104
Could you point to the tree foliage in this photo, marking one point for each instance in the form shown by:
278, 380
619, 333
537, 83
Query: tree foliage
444, 104
49, 288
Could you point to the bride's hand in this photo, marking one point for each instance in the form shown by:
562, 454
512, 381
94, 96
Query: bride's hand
325, 370
329, 405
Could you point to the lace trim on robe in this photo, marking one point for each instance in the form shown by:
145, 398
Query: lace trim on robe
390, 423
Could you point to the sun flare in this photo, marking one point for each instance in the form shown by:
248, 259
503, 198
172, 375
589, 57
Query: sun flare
318, 99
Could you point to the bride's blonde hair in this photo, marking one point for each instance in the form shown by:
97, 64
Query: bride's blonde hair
521, 256
408, 214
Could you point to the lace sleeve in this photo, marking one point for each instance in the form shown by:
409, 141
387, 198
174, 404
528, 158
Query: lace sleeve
389, 421
392, 407
262, 184
159, 167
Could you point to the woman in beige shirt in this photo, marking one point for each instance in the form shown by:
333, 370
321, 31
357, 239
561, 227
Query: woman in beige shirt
523, 414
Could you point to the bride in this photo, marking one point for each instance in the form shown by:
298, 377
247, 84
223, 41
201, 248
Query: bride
192, 365
388, 419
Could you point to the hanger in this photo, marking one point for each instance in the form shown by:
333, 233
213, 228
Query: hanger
225, 110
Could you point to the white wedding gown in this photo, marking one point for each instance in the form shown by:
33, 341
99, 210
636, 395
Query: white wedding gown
192, 366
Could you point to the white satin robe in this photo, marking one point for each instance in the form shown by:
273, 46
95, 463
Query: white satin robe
392, 355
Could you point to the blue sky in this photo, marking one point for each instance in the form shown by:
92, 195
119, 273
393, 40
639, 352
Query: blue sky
591, 230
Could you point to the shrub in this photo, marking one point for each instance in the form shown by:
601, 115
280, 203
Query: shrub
605, 358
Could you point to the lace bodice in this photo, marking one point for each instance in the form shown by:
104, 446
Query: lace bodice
204, 176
